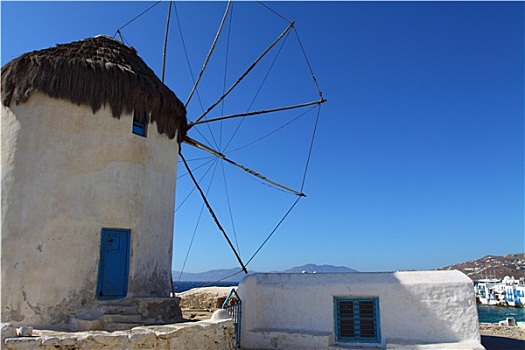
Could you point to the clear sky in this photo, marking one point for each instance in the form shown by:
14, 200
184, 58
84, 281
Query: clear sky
418, 158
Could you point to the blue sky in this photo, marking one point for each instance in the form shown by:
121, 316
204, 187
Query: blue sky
418, 157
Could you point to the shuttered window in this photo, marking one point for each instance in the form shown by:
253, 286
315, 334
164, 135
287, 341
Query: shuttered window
139, 125
356, 320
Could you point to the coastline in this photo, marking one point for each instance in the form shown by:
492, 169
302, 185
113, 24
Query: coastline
491, 329
496, 337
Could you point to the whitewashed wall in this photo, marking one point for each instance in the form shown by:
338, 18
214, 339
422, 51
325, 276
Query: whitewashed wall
292, 311
66, 174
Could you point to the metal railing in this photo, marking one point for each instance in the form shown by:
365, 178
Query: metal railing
233, 305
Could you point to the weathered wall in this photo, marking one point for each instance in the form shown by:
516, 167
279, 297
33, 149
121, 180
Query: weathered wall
209, 335
414, 307
66, 174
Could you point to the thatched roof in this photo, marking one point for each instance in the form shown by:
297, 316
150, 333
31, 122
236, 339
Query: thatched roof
96, 72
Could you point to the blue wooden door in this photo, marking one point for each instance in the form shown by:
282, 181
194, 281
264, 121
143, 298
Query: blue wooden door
114, 264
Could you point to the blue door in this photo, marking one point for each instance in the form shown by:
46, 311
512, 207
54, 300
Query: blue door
114, 264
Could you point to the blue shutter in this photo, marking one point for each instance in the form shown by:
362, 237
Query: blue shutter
357, 320
139, 125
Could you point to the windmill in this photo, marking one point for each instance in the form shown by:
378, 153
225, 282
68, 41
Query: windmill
86, 183
228, 126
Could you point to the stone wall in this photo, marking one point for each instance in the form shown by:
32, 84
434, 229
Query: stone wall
211, 334
206, 298
200, 303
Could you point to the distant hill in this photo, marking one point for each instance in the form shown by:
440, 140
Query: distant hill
232, 275
226, 275
311, 268
492, 266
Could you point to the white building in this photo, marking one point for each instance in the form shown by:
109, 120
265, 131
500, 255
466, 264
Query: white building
90, 139
399, 310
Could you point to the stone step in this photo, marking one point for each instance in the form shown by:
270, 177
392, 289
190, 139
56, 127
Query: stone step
117, 318
109, 322
128, 313
119, 302
124, 309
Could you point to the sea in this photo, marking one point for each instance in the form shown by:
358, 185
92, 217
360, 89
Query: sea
183, 286
486, 313
494, 314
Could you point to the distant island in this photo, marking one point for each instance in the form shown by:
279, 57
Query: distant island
490, 266
236, 275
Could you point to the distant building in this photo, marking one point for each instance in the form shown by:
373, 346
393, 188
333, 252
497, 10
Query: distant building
90, 140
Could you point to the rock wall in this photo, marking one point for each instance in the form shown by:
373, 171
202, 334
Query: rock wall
210, 334
209, 298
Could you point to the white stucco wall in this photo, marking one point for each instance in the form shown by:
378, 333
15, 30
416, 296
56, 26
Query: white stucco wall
66, 174
414, 307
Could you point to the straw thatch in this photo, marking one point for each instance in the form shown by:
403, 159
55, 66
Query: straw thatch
96, 72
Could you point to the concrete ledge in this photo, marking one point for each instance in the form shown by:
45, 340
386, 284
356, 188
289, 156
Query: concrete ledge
465, 345
361, 346
400, 345
278, 338
292, 331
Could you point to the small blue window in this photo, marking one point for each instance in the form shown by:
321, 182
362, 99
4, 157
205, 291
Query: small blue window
357, 320
140, 125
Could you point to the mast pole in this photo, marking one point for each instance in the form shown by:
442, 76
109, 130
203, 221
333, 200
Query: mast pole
165, 43
246, 72
212, 213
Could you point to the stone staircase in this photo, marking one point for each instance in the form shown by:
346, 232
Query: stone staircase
122, 314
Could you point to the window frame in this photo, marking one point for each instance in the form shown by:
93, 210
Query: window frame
140, 128
356, 320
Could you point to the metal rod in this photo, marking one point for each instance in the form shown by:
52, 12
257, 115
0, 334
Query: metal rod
165, 46
249, 114
199, 145
246, 72
212, 213
212, 48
